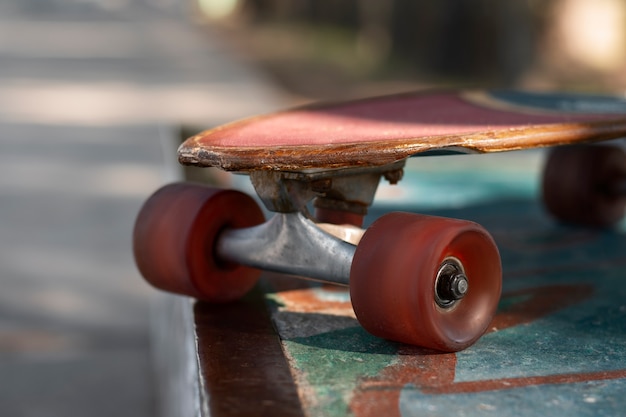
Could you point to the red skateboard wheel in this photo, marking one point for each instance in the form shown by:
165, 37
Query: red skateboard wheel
174, 237
394, 282
582, 185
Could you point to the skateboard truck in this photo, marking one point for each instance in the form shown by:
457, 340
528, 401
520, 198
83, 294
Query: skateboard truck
293, 243
347, 189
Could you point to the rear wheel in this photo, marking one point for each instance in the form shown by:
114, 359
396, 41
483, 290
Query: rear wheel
427, 281
584, 185
175, 235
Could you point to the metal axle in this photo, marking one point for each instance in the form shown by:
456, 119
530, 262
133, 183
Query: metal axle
289, 243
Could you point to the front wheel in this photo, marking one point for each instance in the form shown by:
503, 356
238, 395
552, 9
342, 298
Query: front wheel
175, 235
427, 281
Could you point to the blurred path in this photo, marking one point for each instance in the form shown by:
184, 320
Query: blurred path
88, 91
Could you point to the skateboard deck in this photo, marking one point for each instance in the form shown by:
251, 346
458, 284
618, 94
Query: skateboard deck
382, 130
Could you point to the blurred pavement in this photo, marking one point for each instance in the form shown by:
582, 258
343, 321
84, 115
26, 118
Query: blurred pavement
89, 93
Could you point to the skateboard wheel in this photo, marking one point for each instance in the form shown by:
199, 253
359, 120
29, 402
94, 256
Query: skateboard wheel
583, 184
397, 281
174, 237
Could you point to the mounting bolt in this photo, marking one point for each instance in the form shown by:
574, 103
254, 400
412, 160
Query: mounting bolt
394, 176
322, 185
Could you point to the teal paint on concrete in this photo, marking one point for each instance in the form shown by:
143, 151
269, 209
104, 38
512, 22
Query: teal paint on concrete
559, 344
334, 362
585, 399
586, 336
463, 180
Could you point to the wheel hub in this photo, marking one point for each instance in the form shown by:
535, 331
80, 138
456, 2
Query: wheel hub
451, 284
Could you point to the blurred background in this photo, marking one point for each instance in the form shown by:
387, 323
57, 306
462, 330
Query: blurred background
93, 94
322, 48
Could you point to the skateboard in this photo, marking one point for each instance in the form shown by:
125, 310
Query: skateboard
423, 280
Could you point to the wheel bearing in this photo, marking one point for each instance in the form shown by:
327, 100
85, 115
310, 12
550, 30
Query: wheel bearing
451, 284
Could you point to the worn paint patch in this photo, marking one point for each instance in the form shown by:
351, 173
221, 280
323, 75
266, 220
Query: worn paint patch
588, 336
335, 362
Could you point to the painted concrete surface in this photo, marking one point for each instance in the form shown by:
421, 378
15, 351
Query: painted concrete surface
557, 345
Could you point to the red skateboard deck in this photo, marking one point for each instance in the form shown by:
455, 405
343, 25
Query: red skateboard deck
382, 130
